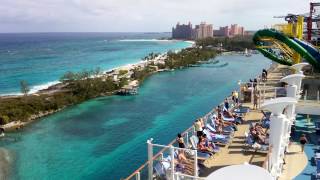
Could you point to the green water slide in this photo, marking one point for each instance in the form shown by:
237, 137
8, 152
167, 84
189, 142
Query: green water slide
280, 48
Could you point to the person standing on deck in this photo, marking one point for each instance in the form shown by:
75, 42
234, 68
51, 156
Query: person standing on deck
236, 97
303, 141
266, 73
255, 101
226, 104
198, 127
180, 141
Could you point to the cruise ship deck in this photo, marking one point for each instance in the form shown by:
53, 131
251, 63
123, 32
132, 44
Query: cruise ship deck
235, 152
294, 163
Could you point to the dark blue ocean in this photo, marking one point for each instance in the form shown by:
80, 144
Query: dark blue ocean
42, 58
105, 138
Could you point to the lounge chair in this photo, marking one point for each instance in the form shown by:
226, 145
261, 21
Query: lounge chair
217, 138
231, 119
227, 130
251, 144
318, 169
215, 149
241, 111
237, 120
265, 123
162, 167
201, 155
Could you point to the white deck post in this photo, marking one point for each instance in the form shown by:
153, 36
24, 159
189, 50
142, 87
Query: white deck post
172, 162
318, 96
195, 163
298, 67
277, 126
293, 82
150, 159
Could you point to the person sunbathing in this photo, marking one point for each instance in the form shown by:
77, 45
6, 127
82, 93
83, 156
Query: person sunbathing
260, 139
260, 130
184, 164
209, 144
228, 124
202, 146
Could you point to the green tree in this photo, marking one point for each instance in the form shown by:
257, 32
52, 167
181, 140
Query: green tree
68, 76
97, 72
24, 87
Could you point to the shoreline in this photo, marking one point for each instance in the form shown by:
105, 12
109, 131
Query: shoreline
46, 86
35, 120
60, 88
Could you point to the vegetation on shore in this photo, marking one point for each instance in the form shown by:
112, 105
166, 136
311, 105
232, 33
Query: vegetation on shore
84, 85
237, 43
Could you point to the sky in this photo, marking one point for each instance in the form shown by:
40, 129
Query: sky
139, 15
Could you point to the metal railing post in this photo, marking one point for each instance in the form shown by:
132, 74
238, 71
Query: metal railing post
195, 163
275, 92
264, 91
150, 159
305, 95
259, 103
138, 176
239, 94
318, 96
252, 90
172, 162
187, 142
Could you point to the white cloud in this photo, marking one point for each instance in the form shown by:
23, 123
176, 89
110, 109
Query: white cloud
139, 15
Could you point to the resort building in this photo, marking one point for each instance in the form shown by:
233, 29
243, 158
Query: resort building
233, 30
183, 31
222, 31
236, 30
203, 30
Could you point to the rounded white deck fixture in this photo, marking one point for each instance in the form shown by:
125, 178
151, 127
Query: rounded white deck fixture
243, 171
293, 79
277, 105
298, 67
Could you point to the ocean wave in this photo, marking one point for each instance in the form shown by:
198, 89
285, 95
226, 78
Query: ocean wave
37, 88
33, 89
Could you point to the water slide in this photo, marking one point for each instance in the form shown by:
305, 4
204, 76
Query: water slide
281, 48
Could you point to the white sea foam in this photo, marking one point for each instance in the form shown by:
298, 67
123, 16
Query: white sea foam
37, 88
33, 89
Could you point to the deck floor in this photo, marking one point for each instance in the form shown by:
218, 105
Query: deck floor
235, 153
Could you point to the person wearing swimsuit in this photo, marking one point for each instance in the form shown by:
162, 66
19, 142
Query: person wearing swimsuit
303, 141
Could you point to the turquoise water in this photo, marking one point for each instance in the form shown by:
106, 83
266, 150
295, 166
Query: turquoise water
303, 127
42, 58
105, 138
